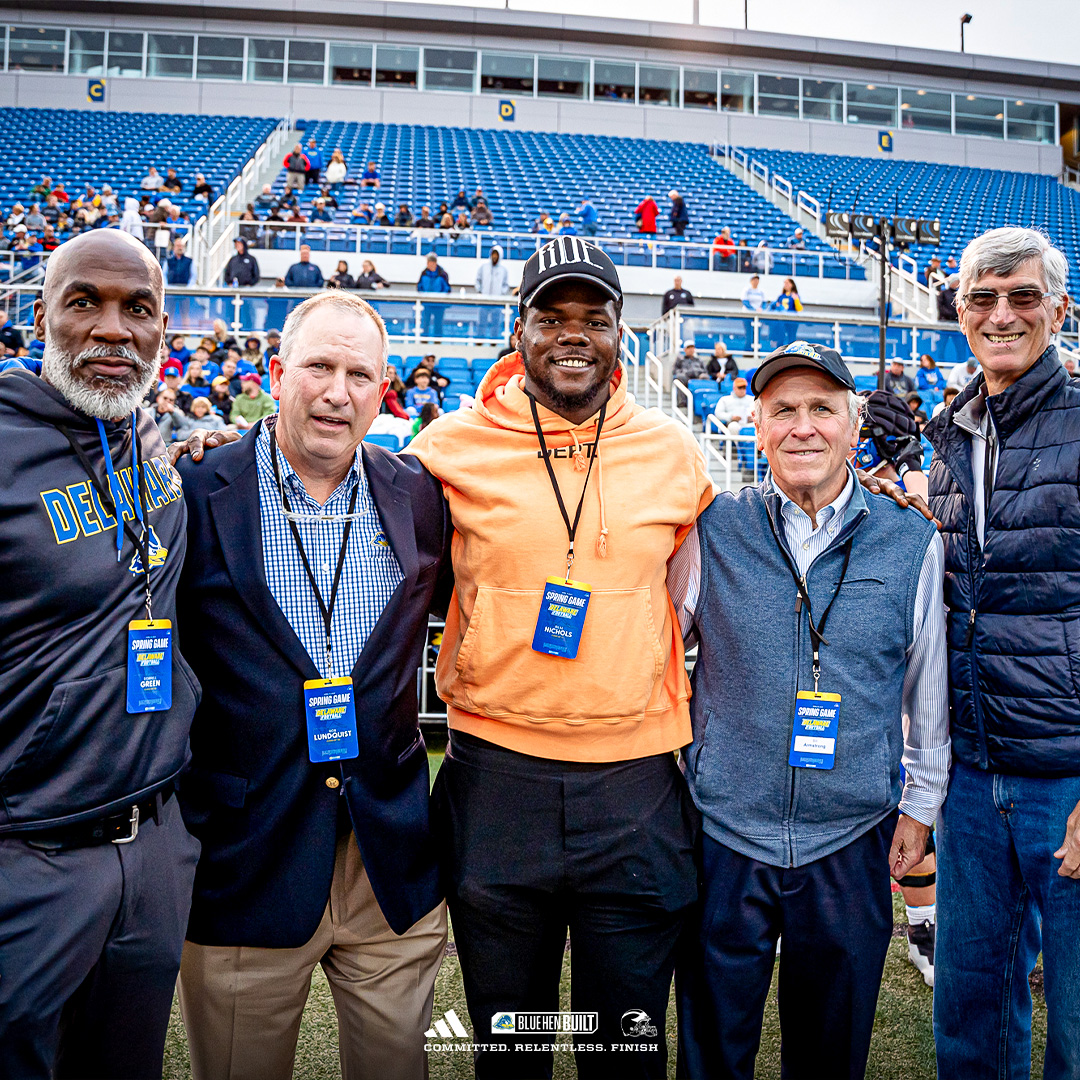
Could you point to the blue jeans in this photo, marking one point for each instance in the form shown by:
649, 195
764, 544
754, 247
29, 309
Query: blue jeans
1000, 899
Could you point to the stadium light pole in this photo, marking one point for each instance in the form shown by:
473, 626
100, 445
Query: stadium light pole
964, 20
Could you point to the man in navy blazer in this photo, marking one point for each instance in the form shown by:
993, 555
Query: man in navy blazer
307, 861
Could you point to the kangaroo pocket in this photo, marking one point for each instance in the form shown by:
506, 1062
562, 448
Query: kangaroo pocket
87, 751
618, 663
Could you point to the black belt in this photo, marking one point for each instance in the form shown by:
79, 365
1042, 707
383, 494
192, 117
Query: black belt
120, 828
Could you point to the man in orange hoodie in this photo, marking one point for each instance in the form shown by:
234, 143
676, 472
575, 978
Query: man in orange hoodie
563, 673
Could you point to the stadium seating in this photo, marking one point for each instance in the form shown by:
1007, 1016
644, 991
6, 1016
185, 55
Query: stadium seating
76, 147
967, 201
524, 173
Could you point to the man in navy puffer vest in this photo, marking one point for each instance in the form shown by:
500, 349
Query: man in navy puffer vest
1003, 483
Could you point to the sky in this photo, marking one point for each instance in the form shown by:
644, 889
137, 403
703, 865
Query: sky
1033, 30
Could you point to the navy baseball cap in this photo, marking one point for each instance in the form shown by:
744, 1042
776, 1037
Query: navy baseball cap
568, 258
802, 354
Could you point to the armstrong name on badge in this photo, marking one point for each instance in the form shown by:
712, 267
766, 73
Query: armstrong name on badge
813, 737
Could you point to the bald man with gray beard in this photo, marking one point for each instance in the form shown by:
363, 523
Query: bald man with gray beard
96, 866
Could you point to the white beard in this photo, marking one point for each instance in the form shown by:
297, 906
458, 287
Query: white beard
105, 398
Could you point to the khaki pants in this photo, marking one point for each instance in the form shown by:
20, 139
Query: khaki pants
242, 1006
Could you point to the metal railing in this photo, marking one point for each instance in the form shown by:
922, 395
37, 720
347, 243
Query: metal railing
657, 253
753, 169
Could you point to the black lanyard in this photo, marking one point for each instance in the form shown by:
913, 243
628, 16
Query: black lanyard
571, 530
327, 612
138, 486
817, 633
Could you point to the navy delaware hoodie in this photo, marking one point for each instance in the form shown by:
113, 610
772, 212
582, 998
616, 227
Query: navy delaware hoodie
69, 750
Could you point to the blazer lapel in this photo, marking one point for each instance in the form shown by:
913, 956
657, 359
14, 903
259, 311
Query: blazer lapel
235, 512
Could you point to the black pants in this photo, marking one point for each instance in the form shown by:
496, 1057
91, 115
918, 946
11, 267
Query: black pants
538, 848
90, 943
835, 915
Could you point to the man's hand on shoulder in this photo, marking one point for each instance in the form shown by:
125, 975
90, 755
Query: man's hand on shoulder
1069, 852
198, 441
878, 485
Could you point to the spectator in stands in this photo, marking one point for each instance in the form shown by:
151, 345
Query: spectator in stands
160, 212
319, 211
676, 296
178, 350
735, 409
250, 229
202, 191
17, 216
946, 299
304, 274
478, 198
252, 356
762, 258
566, 226
395, 395
510, 347
930, 272
179, 269
962, 374
421, 393
273, 225
341, 278
461, 202
753, 297
381, 217
336, 171
34, 220
434, 279
928, 377
788, 300
678, 214
425, 220
590, 217
252, 404
51, 210
296, 169
242, 269
222, 339
370, 278
1069, 364
296, 216
721, 364
946, 401
645, 215
428, 413
171, 420
689, 365
743, 257
896, 381
446, 221
404, 219
10, 338
723, 250
543, 224
43, 188
481, 215
131, 222
371, 177
195, 381
796, 241
492, 278
172, 183
220, 397
172, 378
152, 181
49, 240
315, 161
461, 224
914, 402
266, 198
273, 343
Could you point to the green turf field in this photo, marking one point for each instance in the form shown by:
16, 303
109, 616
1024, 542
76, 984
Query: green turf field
903, 1046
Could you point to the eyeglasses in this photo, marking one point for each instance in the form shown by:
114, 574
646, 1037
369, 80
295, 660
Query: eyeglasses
1018, 299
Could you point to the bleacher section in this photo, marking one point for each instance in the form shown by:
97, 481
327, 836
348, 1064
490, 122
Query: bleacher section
525, 173
968, 201
77, 147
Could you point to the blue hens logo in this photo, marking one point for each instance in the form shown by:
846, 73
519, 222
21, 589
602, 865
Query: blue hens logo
157, 555
380, 540
502, 1022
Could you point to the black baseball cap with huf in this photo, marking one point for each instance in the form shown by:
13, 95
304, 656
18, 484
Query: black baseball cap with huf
568, 258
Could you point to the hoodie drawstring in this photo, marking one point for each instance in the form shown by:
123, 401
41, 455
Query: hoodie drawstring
580, 464
601, 540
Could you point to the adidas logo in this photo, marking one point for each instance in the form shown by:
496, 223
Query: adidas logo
449, 1027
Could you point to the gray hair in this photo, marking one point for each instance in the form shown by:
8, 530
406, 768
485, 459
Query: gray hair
338, 299
856, 407
1003, 251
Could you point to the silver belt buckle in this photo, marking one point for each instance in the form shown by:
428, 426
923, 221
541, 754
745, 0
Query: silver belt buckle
134, 823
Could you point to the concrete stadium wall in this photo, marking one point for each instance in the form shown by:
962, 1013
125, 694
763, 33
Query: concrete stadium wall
481, 111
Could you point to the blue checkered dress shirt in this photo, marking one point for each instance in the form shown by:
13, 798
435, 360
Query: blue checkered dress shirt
369, 576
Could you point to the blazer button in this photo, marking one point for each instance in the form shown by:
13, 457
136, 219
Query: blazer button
333, 782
